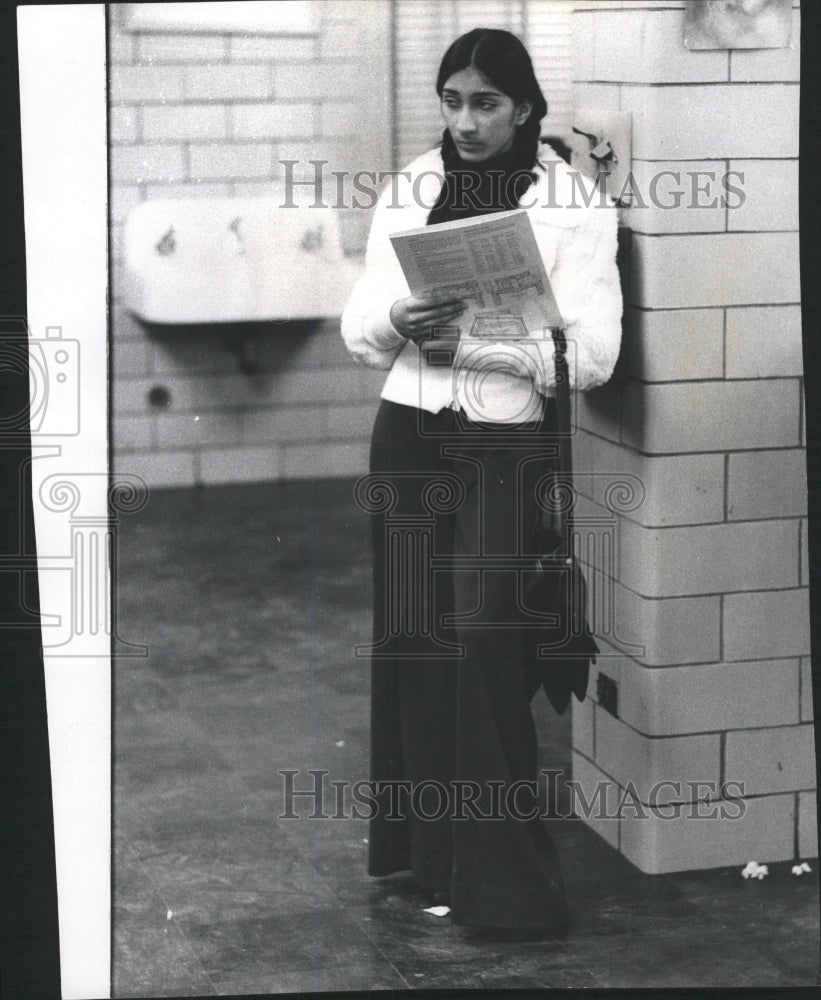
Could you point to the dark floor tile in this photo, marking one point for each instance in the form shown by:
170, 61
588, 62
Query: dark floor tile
138, 688
213, 888
319, 980
146, 710
258, 946
132, 889
263, 770
151, 766
210, 797
778, 915
421, 944
280, 726
602, 904
345, 872
151, 957
226, 688
121, 846
432, 953
246, 842
469, 975
698, 955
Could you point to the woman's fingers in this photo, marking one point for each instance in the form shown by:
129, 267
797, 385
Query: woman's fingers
426, 330
414, 317
432, 301
437, 315
427, 310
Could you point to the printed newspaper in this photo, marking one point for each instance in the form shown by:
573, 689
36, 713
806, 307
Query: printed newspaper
492, 263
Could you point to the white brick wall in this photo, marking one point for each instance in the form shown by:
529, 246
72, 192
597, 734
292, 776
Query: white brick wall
719, 121
672, 562
807, 825
710, 599
767, 484
807, 713
325, 460
805, 555
709, 697
328, 80
137, 84
662, 844
719, 269
665, 345
140, 163
769, 196
642, 46
159, 469
231, 161
238, 465
123, 124
769, 64
583, 723
227, 83
668, 630
603, 820
628, 756
772, 760
287, 121
678, 489
672, 196
764, 341
170, 123
276, 50
183, 48
711, 416
767, 624
200, 115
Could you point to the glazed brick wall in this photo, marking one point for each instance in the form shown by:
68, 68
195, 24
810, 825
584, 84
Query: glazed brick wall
703, 590
202, 115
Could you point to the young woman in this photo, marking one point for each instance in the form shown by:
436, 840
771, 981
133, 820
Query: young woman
456, 455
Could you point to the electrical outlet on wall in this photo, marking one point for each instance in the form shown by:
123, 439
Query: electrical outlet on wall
602, 149
607, 693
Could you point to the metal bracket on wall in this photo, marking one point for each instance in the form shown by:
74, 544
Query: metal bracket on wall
602, 149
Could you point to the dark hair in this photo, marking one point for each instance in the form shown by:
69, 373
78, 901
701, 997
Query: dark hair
503, 59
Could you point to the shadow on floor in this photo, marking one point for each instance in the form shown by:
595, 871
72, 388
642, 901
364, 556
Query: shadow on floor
251, 600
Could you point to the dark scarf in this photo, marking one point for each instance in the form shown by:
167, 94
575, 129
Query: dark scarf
494, 185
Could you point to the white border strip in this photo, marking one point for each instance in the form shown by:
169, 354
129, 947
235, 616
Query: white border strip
63, 108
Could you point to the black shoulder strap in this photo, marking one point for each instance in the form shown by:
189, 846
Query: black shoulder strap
558, 517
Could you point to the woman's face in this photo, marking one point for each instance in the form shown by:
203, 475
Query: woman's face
481, 119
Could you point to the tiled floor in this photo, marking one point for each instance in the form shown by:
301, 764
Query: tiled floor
251, 599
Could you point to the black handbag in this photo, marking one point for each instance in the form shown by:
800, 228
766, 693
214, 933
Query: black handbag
558, 654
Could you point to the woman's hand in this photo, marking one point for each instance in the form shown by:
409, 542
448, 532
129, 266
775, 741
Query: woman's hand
414, 317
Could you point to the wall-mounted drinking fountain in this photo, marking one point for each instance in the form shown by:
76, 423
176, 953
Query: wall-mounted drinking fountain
237, 261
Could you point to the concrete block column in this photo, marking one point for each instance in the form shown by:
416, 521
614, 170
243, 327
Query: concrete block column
699, 593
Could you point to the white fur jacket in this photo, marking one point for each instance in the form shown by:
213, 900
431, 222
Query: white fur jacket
576, 236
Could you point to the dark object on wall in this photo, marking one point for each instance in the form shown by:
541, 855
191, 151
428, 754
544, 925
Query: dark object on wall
556, 585
159, 397
737, 24
607, 694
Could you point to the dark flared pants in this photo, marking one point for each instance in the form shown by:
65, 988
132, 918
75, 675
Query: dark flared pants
453, 507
